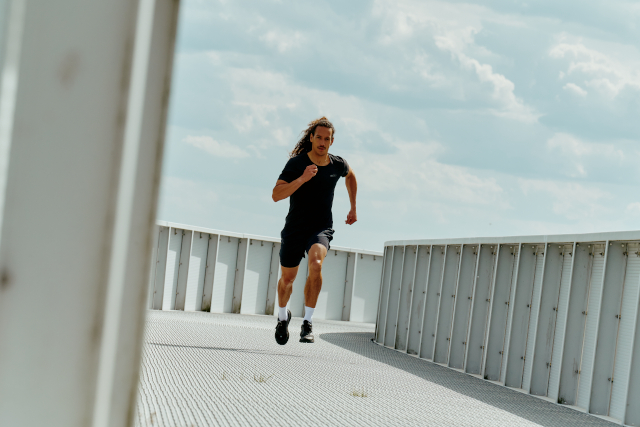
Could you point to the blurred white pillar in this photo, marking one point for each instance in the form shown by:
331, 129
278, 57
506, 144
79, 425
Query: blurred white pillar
82, 153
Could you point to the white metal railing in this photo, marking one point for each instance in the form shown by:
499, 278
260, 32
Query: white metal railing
556, 316
199, 269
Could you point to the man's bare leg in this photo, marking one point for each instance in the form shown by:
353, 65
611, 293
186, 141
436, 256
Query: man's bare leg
314, 280
285, 287
312, 288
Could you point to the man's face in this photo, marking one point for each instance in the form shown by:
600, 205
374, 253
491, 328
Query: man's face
321, 140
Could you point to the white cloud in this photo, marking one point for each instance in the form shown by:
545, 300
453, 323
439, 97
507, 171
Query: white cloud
281, 40
575, 89
216, 148
263, 97
633, 209
573, 201
511, 106
424, 66
283, 136
178, 193
575, 154
414, 172
603, 72
453, 29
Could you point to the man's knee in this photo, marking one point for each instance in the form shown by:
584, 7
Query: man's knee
315, 267
286, 280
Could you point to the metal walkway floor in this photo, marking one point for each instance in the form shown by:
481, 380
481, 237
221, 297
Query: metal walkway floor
203, 369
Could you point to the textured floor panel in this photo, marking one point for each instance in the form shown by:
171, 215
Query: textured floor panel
204, 369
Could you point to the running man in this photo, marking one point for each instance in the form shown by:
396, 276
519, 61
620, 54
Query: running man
309, 178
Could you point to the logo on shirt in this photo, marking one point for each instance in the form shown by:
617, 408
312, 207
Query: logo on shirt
333, 175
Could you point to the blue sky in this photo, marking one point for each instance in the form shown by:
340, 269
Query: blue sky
485, 118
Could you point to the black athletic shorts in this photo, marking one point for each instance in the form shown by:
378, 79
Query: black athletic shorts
295, 245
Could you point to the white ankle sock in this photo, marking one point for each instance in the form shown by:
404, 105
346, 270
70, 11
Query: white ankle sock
308, 313
282, 313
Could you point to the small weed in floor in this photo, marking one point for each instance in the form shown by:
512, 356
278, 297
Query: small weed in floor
359, 393
261, 378
562, 401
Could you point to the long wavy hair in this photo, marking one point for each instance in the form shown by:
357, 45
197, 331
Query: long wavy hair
304, 143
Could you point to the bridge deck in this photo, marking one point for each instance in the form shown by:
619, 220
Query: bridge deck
202, 369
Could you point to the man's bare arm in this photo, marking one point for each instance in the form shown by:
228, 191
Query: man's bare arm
284, 189
352, 189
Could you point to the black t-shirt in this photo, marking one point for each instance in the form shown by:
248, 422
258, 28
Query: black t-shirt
310, 205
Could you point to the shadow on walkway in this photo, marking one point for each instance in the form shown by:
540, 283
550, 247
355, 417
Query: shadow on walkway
528, 407
237, 350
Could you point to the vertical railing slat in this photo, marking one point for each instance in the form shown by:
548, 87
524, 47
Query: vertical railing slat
626, 334
520, 308
431, 302
513, 285
153, 262
546, 317
210, 271
608, 329
423, 264
404, 303
447, 303
462, 305
592, 326
161, 267
172, 268
561, 322
352, 266
255, 281
381, 312
197, 271
274, 277
394, 296
480, 308
534, 313
183, 269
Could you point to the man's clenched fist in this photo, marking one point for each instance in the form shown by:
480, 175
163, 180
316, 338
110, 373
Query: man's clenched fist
309, 173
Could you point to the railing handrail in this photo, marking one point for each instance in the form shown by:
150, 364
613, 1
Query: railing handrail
542, 238
254, 236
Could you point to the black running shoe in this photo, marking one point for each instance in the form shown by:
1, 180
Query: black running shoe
282, 330
306, 334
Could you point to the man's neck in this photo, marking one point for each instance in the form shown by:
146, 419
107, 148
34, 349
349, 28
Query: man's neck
318, 160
